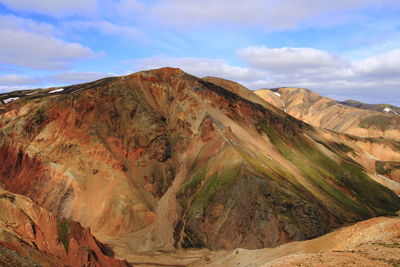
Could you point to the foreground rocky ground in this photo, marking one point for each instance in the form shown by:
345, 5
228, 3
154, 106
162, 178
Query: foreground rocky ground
375, 242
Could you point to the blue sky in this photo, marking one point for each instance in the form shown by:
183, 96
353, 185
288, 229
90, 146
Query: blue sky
341, 49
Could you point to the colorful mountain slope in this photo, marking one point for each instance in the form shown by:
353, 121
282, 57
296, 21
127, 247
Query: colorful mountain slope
160, 160
386, 108
327, 113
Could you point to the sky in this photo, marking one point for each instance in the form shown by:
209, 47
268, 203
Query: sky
343, 49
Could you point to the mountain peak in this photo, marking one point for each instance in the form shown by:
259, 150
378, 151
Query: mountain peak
164, 71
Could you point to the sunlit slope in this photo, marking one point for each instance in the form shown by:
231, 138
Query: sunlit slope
327, 113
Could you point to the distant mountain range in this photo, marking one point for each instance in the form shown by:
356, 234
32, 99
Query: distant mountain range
138, 167
374, 107
348, 117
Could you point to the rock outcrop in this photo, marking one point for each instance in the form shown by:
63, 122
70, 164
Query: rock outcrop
36, 234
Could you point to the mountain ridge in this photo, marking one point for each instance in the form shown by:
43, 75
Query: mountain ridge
330, 114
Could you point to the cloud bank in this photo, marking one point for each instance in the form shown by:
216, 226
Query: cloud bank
370, 79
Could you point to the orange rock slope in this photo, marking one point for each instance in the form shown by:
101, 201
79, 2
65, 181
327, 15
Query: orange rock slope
35, 233
327, 113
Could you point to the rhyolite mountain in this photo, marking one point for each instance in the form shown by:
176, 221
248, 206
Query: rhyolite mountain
386, 108
350, 117
160, 160
367, 150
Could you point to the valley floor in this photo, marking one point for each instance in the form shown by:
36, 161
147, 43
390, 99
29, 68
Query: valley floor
374, 242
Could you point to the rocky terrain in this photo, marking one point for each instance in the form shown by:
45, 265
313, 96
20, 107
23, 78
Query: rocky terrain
31, 236
379, 156
374, 107
138, 166
375, 242
350, 117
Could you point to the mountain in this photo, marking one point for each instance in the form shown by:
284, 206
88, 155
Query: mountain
371, 153
161, 160
374, 107
347, 117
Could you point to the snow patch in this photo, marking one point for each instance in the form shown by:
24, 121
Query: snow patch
278, 94
373, 157
56, 91
389, 110
283, 105
7, 100
32, 93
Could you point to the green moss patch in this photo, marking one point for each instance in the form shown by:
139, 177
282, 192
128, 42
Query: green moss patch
351, 187
380, 122
386, 167
63, 229
214, 183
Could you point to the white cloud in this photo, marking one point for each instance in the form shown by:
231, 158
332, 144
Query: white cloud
18, 82
27, 43
381, 65
13, 79
127, 8
73, 77
287, 58
105, 27
348, 79
198, 66
52, 7
372, 79
271, 14
12, 22
28, 49
11, 88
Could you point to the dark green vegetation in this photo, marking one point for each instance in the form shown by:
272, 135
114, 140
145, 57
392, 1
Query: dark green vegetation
195, 197
63, 229
8, 196
386, 167
343, 147
373, 107
202, 194
343, 180
388, 245
381, 122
